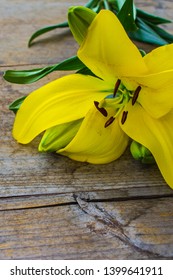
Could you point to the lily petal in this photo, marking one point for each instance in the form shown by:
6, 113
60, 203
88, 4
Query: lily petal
154, 134
94, 143
160, 59
101, 51
63, 100
156, 95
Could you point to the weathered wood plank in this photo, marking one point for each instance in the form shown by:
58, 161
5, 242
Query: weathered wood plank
115, 230
19, 19
55, 199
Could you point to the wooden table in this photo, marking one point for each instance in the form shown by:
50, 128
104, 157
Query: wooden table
52, 207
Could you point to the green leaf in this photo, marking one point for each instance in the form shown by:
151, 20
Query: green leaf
99, 7
92, 3
117, 4
162, 33
86, 71
106, 5
45, 30
127, 16
30, 76
152, 18
146, 34
15, 105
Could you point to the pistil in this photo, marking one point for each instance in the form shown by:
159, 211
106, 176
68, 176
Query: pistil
117, 101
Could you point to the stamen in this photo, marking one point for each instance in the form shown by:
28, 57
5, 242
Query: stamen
124, 117
109, 121
117, 84
135, 95
101, 110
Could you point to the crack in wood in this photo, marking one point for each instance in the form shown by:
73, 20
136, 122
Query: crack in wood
112, 224
18, 202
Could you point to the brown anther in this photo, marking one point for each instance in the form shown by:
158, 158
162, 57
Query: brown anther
124, 117
117, 84
101, 110
135, 95
109, 121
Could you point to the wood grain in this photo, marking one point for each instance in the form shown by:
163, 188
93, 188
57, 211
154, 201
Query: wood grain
135, 229
52, 207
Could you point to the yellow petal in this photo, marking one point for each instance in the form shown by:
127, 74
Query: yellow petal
94, 143
160, 59
64, 100
156, 80
156, 95
108, 51
154, 134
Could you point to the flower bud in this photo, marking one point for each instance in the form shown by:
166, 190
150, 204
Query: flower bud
79, 19
139, 152
57, 137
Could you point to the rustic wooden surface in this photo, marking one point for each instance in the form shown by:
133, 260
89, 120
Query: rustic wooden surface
52, 207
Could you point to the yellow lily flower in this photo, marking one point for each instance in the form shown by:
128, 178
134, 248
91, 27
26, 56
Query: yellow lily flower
130, 97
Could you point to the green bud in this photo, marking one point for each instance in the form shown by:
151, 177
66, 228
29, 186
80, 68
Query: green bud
57, 137
139, 152
79, 19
